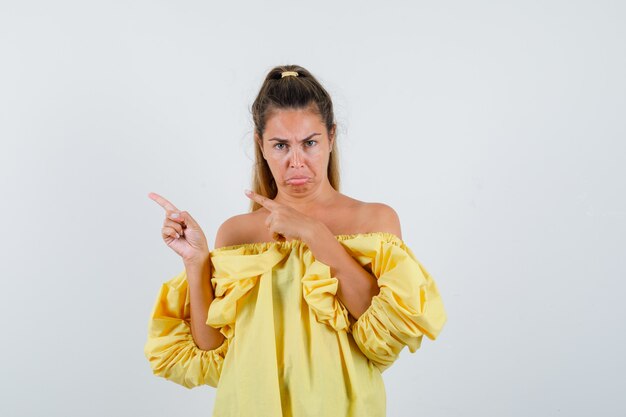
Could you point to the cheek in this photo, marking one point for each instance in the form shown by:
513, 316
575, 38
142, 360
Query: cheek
318, 160
274, 157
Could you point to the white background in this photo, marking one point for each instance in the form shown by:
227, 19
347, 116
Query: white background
495, 129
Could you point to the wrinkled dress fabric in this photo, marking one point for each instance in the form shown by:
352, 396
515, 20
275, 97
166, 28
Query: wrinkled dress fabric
291, 348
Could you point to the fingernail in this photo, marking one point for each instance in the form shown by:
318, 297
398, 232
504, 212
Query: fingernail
174, 215
177, 235
247, 191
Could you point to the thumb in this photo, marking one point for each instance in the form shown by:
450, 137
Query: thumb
189, 221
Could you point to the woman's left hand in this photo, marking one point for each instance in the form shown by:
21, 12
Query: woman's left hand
285, 220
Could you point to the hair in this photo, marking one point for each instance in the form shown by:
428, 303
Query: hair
290, 92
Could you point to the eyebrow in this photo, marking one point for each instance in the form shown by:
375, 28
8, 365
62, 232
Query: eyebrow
303, 140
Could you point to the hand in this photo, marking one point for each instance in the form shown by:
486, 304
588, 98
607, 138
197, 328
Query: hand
285, 222
182, 233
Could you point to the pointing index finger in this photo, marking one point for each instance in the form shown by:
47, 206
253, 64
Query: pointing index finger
268, 203
162, 201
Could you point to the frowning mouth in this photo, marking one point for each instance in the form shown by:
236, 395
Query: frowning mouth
297, 180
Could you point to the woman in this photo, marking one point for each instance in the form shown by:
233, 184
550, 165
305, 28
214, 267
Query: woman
305, 300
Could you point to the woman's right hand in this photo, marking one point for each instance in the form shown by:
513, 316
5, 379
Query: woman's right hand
191, 244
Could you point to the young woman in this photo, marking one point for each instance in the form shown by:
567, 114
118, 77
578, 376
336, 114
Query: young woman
306, 299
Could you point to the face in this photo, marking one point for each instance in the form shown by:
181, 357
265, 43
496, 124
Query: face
296, 146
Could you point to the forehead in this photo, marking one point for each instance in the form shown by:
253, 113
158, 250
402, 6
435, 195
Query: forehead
296, 123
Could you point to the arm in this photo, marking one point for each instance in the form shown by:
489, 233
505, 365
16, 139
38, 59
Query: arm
201, 291
201, 296
356, 285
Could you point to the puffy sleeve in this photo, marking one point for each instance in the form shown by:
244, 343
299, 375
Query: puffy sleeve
170, 348
407, 307
319, 289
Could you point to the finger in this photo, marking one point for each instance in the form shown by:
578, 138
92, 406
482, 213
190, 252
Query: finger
275, 235
268, 203
188, 220
175, 216
176, 226
162, 201
169, 232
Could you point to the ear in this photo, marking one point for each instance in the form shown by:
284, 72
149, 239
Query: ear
331, 136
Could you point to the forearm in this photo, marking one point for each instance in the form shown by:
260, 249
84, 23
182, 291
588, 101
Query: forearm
201, 296
356, 285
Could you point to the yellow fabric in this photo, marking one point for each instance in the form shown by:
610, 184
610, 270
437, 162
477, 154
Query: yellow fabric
291, 348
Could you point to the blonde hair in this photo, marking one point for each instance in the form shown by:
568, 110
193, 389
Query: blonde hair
289, 92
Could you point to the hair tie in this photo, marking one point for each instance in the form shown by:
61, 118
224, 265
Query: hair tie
288, 73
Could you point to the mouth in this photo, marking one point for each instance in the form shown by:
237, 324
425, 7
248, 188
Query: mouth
297, 180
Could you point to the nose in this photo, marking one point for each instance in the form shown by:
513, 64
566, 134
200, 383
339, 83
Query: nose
296, 159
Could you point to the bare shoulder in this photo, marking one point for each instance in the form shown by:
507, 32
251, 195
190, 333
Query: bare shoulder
234, 230
383, 218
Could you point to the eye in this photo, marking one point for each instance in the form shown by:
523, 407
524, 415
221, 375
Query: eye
278, 145
309, 141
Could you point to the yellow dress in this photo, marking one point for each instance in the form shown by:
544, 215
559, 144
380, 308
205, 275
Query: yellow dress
291, 349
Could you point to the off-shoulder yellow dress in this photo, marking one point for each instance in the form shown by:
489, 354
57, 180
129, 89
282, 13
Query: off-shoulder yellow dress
291, 349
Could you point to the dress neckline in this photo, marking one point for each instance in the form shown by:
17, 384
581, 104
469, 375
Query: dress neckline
340, 237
